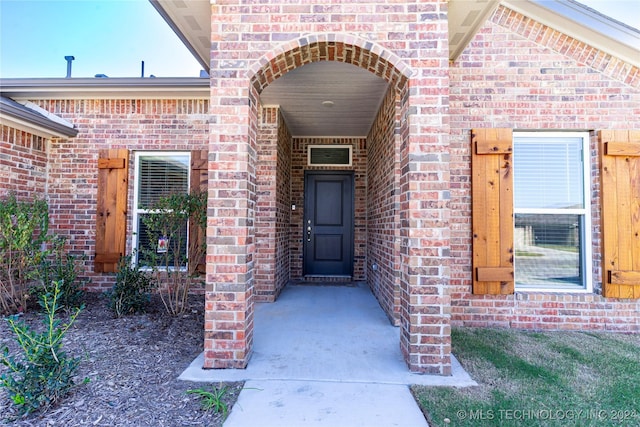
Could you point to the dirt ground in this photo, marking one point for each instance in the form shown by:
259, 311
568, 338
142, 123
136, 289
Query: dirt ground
133, 364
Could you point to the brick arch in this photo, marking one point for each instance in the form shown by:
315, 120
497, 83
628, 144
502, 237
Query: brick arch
330, 47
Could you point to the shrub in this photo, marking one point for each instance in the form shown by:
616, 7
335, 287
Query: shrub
62, 268
131, 292
168, 223
23, 233
44, 373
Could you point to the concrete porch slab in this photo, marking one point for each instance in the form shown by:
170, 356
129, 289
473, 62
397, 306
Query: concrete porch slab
325, 333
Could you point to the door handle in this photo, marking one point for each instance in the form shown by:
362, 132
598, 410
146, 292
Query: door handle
308, 233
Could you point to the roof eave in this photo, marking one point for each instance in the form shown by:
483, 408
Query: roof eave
588, 26
170, 20
101, 88
34, 123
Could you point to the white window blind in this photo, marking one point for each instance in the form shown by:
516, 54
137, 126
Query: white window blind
548, 173
552, 222
161, 176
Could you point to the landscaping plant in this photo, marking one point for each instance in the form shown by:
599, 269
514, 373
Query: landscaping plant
176, 263
212, 400
44, 373
131, 292
23, 234
62, 268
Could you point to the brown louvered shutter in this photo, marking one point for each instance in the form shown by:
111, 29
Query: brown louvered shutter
492, 211
620, 195
199, 181
111, 227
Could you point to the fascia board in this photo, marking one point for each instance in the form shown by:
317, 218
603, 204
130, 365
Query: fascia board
584, 24
106, 88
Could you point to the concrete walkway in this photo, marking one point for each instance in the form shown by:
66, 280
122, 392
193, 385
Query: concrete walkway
325, 356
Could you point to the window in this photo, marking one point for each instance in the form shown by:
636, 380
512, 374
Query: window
157, 174
329, 155
552, 237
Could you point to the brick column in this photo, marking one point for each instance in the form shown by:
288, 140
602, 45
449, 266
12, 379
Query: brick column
231, 212
424, 198
230, 240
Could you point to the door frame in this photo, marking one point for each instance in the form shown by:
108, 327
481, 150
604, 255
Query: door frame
306, 201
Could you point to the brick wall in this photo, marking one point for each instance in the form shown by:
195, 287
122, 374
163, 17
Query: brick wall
383, 236
283, 207
273, 183
519, 74
135, 124
23, 164
266, 209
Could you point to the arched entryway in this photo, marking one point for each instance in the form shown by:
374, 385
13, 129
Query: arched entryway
269, 159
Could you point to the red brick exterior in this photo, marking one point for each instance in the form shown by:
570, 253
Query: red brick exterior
273, 216
412, 172
519, 74
383, 235
23, 161
67, 172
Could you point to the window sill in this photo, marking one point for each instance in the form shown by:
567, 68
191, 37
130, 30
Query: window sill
161, 269
550, 290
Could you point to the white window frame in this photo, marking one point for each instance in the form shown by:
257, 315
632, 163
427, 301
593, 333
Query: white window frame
136, 187
586, 258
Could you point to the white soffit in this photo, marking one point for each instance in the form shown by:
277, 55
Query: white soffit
465, 19
191, 21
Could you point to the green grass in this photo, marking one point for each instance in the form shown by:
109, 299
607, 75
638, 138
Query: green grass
539, 379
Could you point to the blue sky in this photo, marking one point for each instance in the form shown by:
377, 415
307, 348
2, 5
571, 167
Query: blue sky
112, 37
109, 37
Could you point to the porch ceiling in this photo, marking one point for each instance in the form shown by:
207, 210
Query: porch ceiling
325, 99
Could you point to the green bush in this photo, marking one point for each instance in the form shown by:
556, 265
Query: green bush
131, 292
62, 268
169, 220
44, 373
23, 233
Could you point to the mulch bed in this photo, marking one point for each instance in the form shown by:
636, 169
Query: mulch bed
133, 364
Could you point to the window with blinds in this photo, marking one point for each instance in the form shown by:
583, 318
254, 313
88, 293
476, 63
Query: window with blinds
157, 174
552, 220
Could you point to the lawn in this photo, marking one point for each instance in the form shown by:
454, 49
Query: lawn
539, 378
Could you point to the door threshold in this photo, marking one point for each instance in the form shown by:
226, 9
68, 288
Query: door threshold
323, 279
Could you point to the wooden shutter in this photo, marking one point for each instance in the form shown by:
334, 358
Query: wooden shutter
199, 181
620, 211
492, 211
111, 227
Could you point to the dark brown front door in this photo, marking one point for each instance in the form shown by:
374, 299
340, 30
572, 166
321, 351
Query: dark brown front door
328, 224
